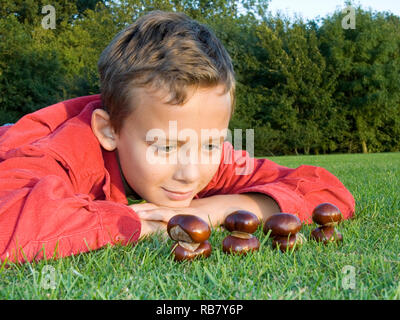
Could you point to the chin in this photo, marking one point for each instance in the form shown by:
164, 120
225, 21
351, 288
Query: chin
165, 202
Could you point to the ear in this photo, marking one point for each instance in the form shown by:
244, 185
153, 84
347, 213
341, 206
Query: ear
103, 130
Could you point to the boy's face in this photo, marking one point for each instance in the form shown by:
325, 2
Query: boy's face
169, 153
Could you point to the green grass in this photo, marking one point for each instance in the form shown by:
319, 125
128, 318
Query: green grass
147, 270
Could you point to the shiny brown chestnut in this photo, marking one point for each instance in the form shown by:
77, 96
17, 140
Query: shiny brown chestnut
326, 214
234, 244
282, 224
242, 221
288, 242
190, 251
188, 228
326, 234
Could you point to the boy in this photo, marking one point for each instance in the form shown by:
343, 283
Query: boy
66, 170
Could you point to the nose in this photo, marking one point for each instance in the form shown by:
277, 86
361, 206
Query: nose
187, 169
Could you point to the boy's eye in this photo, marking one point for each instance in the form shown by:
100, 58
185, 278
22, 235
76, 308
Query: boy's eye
211, 147
165, 148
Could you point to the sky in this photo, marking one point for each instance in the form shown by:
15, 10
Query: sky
310, 9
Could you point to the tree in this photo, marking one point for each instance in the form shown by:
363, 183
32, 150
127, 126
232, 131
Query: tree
365, 62
29, 71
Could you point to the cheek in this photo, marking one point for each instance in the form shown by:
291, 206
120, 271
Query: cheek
207, 173
141, 175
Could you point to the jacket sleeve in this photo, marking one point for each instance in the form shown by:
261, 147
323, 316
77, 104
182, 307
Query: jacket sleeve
41, 216
296, 191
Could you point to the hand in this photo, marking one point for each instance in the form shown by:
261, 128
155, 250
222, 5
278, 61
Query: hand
150, 227
151, 212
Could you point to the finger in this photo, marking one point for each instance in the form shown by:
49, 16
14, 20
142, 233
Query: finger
153, 215
143, 206
163, 215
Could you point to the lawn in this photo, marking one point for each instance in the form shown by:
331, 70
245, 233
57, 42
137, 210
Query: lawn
365, 266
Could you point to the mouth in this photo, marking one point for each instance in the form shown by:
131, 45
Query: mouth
178, 195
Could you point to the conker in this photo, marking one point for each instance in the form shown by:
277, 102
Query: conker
288, 242
282, 224
232, 244
326, 234
243, 221
188, 228
327, 214
183, 252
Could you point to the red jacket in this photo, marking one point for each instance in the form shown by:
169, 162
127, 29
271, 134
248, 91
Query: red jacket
61, 193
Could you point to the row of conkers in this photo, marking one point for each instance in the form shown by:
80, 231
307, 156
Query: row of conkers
191, 233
